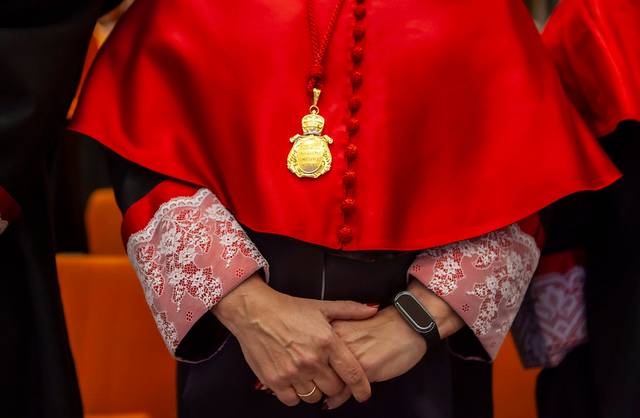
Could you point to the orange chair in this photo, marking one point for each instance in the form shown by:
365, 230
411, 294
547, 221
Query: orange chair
103, 220
117, 416
122, 363
513, 386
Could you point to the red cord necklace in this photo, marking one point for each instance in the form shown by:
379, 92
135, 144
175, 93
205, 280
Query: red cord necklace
310, 155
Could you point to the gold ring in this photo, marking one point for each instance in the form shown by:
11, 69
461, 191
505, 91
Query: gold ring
306, 395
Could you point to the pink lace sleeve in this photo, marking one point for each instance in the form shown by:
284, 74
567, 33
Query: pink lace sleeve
483, 279
188, 256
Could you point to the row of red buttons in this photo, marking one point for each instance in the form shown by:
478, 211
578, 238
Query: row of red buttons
345, 232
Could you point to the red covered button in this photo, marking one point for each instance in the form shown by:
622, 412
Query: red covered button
348, 205
345, 234
353, 126
351, 152
357, 53
349, 178
360, 12
356, 79
354, 104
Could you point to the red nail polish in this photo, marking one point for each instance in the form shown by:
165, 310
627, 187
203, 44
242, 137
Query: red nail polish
258, 386
373, 305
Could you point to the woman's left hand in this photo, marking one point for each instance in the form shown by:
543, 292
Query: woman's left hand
385, 345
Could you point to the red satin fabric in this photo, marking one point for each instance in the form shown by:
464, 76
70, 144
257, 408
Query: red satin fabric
463, 127
596, 46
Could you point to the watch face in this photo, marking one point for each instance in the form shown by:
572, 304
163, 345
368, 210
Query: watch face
415, 312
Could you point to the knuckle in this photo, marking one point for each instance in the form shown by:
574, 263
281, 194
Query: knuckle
334, 390
325, 339
352, 375
271, 380
276, 382
310, 361
339, 328
287, 374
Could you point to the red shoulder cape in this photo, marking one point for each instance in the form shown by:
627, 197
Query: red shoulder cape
463, 124
596, 47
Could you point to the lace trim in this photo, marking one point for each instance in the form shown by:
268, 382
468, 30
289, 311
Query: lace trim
484, 279
190, 253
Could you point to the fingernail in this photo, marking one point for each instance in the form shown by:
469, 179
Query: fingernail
269, 391
373, 305
258, 386
325, 406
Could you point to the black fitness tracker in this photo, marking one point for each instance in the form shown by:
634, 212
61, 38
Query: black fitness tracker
417, 317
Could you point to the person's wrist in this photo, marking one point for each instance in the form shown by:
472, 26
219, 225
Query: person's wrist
232, 310
447, 320
391, 314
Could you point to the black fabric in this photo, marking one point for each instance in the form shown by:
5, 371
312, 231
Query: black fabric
37, 372
42, 49
472, 388
131, 182
78, 169
613, 282
568, 391
602, 379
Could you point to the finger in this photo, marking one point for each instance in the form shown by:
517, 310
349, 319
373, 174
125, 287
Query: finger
287, 396
328, 382
310, 389
332, 402
345, 310
350, 371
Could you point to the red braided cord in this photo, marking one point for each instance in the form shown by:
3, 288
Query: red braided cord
320, 47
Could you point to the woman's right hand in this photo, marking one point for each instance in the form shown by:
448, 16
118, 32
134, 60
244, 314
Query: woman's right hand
289, 343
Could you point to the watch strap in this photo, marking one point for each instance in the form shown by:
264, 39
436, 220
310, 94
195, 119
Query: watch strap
418, 317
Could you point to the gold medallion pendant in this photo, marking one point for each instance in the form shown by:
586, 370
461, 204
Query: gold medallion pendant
310, 155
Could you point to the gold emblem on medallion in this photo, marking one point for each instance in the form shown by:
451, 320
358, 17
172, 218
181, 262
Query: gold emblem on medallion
310, 155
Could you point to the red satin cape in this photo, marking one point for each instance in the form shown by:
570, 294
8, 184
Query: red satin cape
464, 127
596, 47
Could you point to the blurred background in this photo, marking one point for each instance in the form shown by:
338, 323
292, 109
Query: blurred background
135, 377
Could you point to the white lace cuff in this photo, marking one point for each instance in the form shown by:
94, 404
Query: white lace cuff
483, 279
190, 255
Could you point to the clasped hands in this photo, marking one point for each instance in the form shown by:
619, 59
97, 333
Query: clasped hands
302, 349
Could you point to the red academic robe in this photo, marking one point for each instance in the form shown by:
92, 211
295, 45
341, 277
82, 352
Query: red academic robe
462, 126
449, 126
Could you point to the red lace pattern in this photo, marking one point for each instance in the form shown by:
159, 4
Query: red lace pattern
189, 256
483, 279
